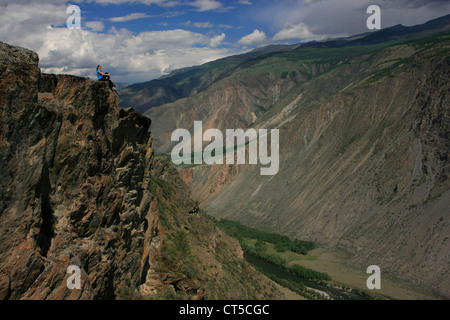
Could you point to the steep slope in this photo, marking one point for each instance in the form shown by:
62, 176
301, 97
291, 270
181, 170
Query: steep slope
80, 187
236, 101
363, 163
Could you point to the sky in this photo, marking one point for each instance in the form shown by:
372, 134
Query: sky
141, 40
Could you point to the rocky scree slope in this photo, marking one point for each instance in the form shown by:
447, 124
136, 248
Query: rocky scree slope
79, 186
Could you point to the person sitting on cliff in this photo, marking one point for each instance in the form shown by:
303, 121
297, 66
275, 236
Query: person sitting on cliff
105, 76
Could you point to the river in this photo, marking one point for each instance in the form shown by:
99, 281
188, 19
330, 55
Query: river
333, 293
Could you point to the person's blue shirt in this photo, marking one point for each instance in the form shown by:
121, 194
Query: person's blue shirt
99, 75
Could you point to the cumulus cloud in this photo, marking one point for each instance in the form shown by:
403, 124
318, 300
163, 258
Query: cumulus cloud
217, 40
255, 38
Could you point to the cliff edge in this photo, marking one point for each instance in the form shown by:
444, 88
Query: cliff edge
80, 187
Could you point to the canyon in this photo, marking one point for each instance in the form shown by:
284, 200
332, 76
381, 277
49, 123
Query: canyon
363, 124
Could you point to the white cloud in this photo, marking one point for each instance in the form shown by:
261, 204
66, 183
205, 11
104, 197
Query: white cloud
255, 38
203, 25
97, 26
206, 5
300, 31
163, 3
201, 5
200, 25
217, 40
225, 26
129, 17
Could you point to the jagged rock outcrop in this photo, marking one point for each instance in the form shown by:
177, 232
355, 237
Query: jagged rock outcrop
79, 187
74, 168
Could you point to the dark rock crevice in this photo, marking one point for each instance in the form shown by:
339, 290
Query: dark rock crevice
46, 232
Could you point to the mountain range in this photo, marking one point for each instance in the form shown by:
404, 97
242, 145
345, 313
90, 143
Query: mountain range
189, 81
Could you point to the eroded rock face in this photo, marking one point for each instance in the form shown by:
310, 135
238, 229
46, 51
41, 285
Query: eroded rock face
79, 187
74, 168
363, 168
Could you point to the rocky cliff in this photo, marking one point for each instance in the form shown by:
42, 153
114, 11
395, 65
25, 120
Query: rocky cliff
80, 186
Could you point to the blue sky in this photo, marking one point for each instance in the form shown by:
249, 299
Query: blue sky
140, 40
231, 20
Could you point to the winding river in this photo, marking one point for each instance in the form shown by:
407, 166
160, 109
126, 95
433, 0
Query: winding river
333, 293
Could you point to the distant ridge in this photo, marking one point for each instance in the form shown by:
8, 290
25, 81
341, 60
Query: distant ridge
189, 81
